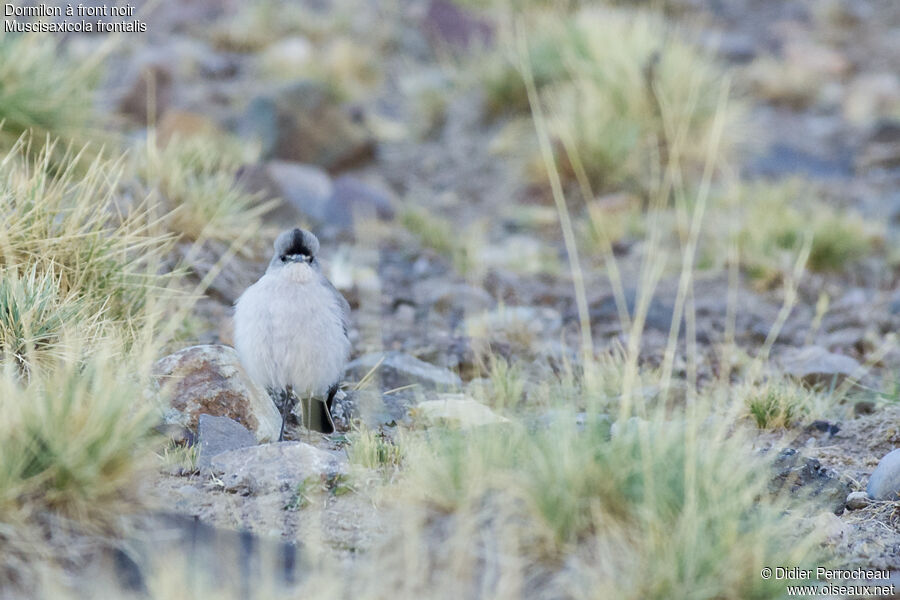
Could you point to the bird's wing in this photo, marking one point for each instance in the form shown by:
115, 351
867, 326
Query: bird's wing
342, 302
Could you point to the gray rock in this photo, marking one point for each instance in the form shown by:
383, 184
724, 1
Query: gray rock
399, 369
446, 23
857, 500
363, 199
864, 407
881, 149
814, 364
218, 435
735, 47
456, 410
306, 188
884, 484
806, 477
308, 193
446, 296
782, 160
301, 122
274, 467
848, 337
659, 313
210, 380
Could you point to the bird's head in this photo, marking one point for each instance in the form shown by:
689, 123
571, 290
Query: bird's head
296, 246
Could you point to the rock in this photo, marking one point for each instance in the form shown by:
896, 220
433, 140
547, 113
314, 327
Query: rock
864, 407
825, 427
446, 296
343, 409
218, 435
814, 364
735, 47
806, 56
363, 199
148, 93
405, 315
782, 159
398, 369
536, 321
881, 149
847, 337
274, 467
884, 484
210, 380
446, 23
857, 500
305, 188
184, 124
287, 58
301, 122
377, 410
807, 477
871, 96
309, 194
456, 410
659, 313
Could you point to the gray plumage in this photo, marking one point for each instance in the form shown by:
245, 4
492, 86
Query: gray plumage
291, 326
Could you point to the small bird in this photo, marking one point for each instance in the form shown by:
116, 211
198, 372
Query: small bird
290, 331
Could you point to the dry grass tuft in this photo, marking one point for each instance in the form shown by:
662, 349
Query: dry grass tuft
64, 224
623, 94
194, 178
43, 92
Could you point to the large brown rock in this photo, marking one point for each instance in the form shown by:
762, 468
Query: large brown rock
303, 123
210, 380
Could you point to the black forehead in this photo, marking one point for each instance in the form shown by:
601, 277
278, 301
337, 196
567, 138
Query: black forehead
296, 244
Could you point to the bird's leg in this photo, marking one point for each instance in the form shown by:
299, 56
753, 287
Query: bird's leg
309, 417
286, 396
329, 401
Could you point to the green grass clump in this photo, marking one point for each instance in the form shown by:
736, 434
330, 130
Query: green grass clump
624, 94
42, 91
774, 406
373, 449
783, 402
778, 219
195, 180
73, 436
623, 508
65, 224
35, 319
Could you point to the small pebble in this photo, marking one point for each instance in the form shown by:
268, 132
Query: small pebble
864, 407
857, 500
